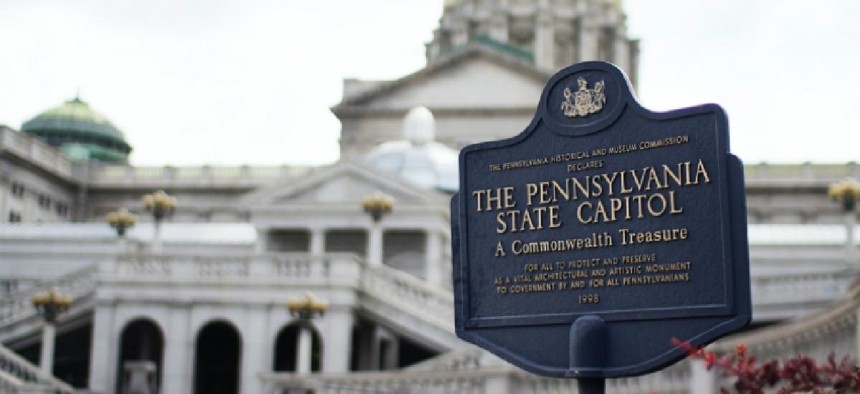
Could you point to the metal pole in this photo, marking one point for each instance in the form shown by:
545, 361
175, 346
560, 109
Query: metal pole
374, 244
591, 386
850, 223
156, 238
46, 360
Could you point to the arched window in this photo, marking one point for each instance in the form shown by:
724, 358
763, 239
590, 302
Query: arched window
218, 352
141, 341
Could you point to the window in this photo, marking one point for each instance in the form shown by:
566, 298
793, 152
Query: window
14, 217
17, 190
44, 201
62, 209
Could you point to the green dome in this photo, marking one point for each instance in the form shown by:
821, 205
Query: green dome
81, 133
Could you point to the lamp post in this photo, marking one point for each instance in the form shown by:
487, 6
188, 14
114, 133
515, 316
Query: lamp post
121, 220
305, 308
847, 192
50, 305
161, 205
376, 205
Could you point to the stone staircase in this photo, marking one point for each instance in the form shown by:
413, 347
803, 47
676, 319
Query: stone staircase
18, 317
410, 305
19, 376
401, 301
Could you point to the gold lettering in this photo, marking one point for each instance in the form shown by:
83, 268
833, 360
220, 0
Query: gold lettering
701, 171
500, 250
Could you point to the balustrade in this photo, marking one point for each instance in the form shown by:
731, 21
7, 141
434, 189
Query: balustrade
808, 287
18, 306
195, 267
485, 379
35, 150
194, 174
16, 374
410, 293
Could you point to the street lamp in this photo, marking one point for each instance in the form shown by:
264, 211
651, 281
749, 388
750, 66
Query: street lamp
305, 308
161, 205
121, 220
50, 305
846, 192
376, 205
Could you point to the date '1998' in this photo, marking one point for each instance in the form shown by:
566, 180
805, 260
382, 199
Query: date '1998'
593, 298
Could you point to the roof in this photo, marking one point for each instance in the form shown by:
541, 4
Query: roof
478, 48
75, 123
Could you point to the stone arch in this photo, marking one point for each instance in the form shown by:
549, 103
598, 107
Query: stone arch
286, 347
141, 348
217, 358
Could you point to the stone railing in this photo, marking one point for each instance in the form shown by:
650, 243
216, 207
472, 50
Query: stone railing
787, 295
17, 375
799, 172
18, 306
490, 380
192, 175
410, 293
189, 267
34, 150
829, 329
474, 381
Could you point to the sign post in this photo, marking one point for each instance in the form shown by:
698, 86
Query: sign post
585, 244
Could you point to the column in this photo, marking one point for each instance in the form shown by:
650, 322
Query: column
46, 359
433, 253
459, 34
587, 36
383, 359
255, 341
622, 52
499, 383
317, 246
544, 41
262, 240
156, 237
857, 335
303, 353
178, 372
702, 380
374, 245
103, 357
499, 25
337, 340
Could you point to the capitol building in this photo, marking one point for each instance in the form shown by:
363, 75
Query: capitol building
337, 279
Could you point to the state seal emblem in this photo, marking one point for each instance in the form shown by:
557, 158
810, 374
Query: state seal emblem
584, 101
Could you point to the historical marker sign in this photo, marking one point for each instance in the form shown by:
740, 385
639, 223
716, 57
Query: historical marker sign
585, 244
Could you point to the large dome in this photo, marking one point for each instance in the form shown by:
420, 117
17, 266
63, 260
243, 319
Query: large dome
418, 158
81, 133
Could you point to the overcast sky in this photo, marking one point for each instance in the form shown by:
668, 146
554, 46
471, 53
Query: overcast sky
251, 82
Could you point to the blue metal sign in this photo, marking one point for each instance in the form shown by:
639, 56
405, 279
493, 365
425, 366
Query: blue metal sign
583, 245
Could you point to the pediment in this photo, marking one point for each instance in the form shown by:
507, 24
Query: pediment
339, 184
464, 81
